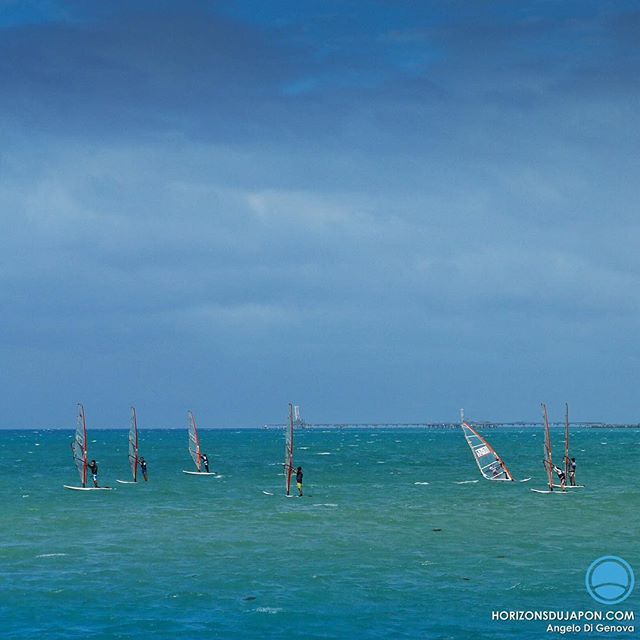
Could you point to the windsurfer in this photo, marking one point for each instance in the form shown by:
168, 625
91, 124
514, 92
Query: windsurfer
561, 476
143, 468
299, 475
205, 461
93, 467
572, 472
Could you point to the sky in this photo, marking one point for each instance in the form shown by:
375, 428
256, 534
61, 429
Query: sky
378, 210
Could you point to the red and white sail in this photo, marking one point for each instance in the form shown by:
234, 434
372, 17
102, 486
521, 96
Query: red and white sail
79, 445
134, 458
548, 456
491, 465
194, 440
288, 451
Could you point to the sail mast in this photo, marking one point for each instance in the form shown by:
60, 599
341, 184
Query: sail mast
194, 440
548, 457
288, 451
133, 444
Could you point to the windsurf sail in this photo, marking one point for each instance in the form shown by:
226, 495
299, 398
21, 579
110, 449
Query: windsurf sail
548, 457
288, 452
79, 445
567, 459
491, 465
133, 444
194, 440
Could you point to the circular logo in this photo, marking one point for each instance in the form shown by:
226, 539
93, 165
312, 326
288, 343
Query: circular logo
610, 580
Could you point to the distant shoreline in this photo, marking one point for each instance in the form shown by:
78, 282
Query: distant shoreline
427, 426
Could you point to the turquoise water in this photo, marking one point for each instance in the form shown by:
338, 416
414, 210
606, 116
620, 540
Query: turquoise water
367, 553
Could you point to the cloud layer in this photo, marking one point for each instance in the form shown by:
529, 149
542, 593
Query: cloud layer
382, 212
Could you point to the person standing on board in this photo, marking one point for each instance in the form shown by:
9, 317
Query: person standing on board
143, 468
299, 475
205, 461
572, 472
93, 467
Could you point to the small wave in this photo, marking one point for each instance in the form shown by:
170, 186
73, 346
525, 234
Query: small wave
324, 453
51, 555
420, 483
325, 504
467, 482
269, 610
381, 462
305, 448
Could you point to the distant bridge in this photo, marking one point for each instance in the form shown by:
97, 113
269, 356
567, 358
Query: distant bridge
449, 425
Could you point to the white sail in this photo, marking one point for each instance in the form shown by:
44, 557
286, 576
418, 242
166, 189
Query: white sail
194, 440
491, 465
133, 445
288, 452
79, 445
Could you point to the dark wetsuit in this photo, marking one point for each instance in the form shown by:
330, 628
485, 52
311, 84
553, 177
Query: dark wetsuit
205, 462
143, 468
93, 467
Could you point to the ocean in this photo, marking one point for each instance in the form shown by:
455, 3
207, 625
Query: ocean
384, 544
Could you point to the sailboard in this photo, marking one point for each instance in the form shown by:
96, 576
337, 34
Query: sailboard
134, 458
79, 448
288, 453
194, 448
490, 464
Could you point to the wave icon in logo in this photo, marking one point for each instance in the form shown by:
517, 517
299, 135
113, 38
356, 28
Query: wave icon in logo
610, 580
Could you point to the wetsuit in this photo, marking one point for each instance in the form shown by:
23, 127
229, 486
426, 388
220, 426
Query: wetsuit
93, 467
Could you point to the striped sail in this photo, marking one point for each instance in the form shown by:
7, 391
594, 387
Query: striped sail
79, 445
491, 465
194, 441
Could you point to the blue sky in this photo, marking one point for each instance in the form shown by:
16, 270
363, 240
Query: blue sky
381, 210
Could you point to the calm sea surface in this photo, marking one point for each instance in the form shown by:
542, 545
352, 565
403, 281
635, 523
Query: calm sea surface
384, 544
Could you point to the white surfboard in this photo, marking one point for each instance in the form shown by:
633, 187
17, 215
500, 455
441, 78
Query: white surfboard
201, 473
569, 486
547, 491
67, 486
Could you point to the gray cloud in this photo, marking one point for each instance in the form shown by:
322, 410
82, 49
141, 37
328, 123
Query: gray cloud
197, 208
